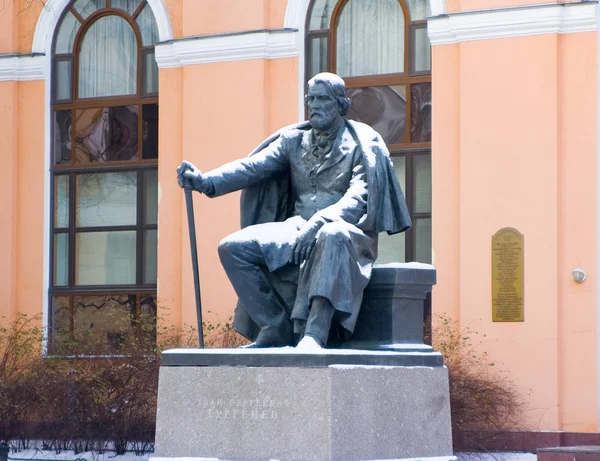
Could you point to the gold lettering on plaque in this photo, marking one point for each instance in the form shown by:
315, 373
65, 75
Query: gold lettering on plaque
507, 276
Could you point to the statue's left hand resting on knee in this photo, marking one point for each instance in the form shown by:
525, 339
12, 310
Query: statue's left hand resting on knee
314, 197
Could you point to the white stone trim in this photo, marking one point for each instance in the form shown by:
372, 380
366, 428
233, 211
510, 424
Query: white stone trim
21, 67
255, 44
50, 14
564, 18
295, 18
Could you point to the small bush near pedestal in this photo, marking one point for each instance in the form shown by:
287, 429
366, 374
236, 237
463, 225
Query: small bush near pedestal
98, 401
483, 399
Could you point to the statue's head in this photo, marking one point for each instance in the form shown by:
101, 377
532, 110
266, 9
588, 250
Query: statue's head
326, 100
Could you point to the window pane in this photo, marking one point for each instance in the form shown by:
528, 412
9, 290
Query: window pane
66, 34
419, 9
151, 197
106, 134
147, 25
61, 260
87, 7
61, 201
110, 69
62, 80
423, 240
422, 165
321, 14
400, 169
62, 137
103, 323
392, 248
420, 112
370, 38
148, 320
61, 320
126, 5
382, 107
106, 199
150, 131
318, 56
422, 51
105, 258
150, 73
150, 246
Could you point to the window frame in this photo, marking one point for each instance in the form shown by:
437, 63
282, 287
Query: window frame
72, 169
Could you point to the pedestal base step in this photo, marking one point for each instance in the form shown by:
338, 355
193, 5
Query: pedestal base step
579, 453
324, 406
435, 458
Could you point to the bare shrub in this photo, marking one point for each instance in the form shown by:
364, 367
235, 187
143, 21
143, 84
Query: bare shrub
20, 348
483, 399
97, 401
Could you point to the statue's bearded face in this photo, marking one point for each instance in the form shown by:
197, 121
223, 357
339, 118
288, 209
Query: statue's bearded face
323, 109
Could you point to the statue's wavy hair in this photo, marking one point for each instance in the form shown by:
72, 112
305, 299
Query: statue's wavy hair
336, 87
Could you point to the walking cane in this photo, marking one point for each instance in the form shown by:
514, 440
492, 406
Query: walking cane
189, 204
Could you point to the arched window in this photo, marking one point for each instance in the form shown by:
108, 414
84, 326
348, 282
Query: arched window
381, 49
104, 177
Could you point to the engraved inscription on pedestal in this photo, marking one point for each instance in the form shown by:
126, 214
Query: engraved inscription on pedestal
255, 409
507, 276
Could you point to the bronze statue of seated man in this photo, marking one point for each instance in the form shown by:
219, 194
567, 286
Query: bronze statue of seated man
315, 197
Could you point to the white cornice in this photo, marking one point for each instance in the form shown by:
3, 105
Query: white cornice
256, 44
21, 67
562, 18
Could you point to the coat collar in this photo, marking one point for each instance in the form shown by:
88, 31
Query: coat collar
344, 145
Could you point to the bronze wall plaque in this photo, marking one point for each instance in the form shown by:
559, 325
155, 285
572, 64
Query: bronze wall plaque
507, 276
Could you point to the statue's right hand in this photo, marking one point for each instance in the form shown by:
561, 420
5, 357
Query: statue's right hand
190, 176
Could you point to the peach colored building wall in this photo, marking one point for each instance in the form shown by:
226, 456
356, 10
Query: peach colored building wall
515, 145
223, 117
22, 188
515, 127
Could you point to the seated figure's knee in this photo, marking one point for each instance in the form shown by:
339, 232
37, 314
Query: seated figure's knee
333, 232
228, 248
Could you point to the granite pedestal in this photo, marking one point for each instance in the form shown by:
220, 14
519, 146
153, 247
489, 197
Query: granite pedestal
342, 405
386, 398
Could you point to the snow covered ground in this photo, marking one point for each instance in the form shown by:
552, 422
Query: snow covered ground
93, 456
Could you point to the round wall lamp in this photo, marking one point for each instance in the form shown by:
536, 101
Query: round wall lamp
579, 275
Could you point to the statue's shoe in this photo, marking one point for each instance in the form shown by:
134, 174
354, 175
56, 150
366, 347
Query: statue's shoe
278, 335
254, 345
309, 343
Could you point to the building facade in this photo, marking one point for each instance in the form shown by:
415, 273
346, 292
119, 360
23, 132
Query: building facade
489, 109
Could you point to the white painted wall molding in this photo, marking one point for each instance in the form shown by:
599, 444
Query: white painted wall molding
562, 18
52, 10
21, 67
237, 46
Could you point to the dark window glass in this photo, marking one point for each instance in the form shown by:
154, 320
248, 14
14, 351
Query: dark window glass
106, 134
420, 112
61, 135
150, 131
382, 107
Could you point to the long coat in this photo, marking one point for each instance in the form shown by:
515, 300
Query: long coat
272, 200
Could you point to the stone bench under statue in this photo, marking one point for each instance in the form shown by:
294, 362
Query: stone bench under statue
392, 311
